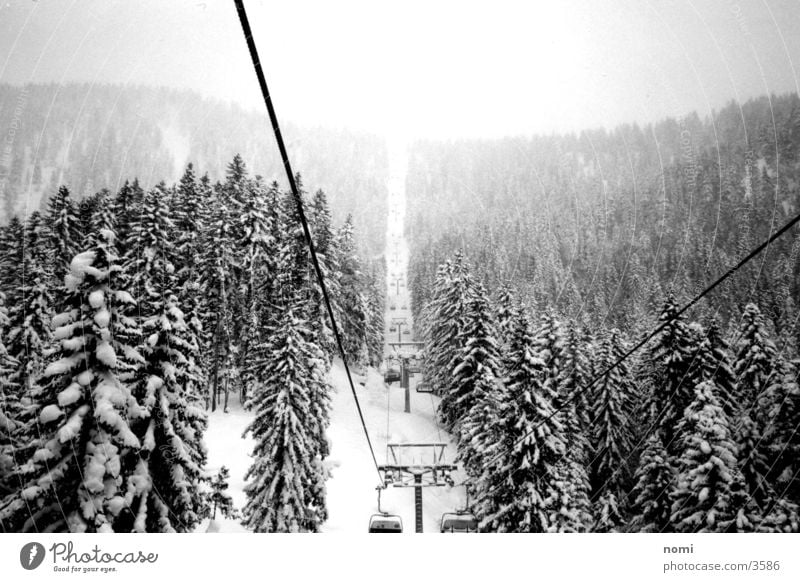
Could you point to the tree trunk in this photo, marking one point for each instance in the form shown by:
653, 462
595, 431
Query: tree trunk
227, 380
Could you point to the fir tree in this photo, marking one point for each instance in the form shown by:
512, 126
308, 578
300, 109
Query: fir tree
352, 305
669, 360
701, 500
64, 226
12, 249
506, 312
654, 478
446, 323
217, 284
612, 395
220, 498
76, 481
9, 412
713, 361
286, 493
473, 404
514, 489
103, 217
755, 367
29, 334
170, 423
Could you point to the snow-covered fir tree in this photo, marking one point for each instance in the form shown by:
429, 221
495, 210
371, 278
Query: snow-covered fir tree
376, 306
170, 422
76, 480
473, 404
611, 438
516, 487
10, 420
286, 489
669, 361
445, 323
782, 413
701, 499
328, 246
217, 283
506, 312
352, 302
11, 257
65, 235
714, 361
220, 499
755, 368
652, 492
29, 332
102, 219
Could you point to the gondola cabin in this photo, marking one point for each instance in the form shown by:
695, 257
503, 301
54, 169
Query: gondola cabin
459, 523
385, 523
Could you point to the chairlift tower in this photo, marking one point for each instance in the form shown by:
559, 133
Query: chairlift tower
397, 281
417, 465
407, 366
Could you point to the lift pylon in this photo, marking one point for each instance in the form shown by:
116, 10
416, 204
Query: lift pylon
417, 465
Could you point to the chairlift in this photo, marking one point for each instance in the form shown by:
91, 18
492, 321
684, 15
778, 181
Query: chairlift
459, 522
384, 522
424, 388
406, 332
391, 375
393, 328
393, 307
405, 307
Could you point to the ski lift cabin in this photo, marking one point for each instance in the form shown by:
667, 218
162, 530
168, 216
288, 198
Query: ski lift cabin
391, 375
385, 523
424, 388
459, 522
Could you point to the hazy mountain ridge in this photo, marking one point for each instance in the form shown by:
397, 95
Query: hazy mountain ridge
91, 137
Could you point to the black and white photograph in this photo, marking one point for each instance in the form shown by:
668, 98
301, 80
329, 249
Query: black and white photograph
356, 267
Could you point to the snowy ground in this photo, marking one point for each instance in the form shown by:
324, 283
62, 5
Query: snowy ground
351, 493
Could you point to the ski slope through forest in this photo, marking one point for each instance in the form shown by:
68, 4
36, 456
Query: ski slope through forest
351, 488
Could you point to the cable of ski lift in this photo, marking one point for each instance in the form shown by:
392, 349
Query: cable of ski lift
248, 35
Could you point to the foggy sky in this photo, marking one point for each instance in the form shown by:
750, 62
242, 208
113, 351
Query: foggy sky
425, 68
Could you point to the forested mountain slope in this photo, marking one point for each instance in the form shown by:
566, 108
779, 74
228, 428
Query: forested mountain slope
602, 224
91, 137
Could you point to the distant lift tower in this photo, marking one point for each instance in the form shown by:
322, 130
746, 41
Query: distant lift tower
409, 365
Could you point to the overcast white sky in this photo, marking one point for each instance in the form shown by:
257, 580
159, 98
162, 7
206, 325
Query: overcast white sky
429, 68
